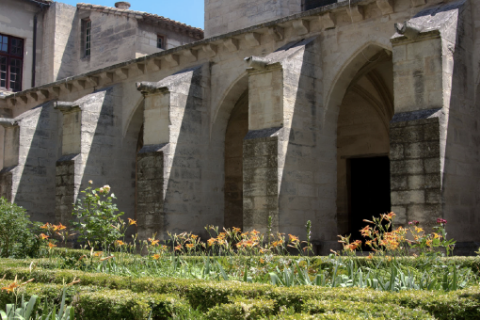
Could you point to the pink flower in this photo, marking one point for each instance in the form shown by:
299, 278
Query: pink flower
414, 222
441, 221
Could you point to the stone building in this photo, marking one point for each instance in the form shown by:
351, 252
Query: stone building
54, 41
296, 110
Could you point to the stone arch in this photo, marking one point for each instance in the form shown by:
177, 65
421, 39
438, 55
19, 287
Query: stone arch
132, 143
227, 103
360, 106
364, 57
229, 127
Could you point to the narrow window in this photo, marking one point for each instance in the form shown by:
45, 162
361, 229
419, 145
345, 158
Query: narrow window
86, 27
160, 42
11, 63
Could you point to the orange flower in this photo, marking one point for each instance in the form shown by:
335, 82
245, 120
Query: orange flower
59, 227
51, 245
262, 261
119, 243
46, 226
436, 236
255, 232
98, 254
293, 238
43, 236
429, 243
189, 245
236, 230
178, 248
389, 216
156, 256
369, 243
370, 256
194, 236
211, 241
153, 242
131, 222
366, 232
11, 287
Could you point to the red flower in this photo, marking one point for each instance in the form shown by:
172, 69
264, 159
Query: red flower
441, 221
414, 222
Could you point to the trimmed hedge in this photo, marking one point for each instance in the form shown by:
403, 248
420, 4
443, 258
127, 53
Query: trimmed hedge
100, 303
125, 304
365, 310
462, 304
242, 309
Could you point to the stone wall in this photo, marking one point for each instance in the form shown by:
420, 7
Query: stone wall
222, 16
16, 19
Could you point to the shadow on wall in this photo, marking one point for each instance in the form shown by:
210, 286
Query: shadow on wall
186, 206
40, 143
461, 178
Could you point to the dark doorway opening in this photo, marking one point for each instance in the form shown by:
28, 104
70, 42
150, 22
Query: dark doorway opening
369, 191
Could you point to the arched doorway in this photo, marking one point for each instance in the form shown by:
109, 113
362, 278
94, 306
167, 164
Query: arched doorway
237, 129
363, 146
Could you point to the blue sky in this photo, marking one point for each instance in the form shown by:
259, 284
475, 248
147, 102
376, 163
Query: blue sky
186, 11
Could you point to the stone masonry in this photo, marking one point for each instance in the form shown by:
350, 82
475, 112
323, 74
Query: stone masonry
264, 118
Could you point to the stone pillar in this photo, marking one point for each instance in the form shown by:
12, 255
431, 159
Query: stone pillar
10, 161
150, 162
416, 166
418, 129
261, 162
68, 167
168, 173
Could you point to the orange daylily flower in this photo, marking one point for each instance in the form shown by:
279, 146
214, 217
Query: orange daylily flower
178, 248
255, 232
59, 227
43, 236
236, 230
366, 232
51, 245
98, 254
153, 242
11, 287
131, 222
156, 256
211, 241
46, 226
119, 243
189, 245
293, 238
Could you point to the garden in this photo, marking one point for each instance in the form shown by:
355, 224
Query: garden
394, 272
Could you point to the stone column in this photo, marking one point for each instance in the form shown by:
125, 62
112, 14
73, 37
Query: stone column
68, 167
261, 161
10, 162
150, 162
418, 128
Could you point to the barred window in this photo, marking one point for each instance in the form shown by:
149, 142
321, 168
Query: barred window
86, 40
160, 42
11, 62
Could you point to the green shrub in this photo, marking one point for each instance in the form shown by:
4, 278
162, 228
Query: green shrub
364, 310
16, 239
124, 304
242, 309
96, 213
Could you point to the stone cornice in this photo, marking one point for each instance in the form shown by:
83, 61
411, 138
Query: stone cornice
171, 57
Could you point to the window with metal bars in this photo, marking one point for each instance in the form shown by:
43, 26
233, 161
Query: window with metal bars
160, 42
86, 40
11, 63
